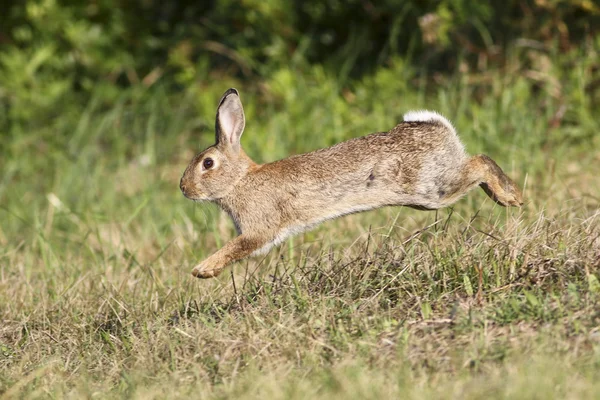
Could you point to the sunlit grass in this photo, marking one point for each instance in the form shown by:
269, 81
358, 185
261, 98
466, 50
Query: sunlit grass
97, 245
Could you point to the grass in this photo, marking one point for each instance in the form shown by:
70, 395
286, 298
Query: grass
97, 245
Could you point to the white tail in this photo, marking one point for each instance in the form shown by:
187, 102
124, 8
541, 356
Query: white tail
428, 116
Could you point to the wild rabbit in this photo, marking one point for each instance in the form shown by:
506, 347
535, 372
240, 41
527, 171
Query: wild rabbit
420, 163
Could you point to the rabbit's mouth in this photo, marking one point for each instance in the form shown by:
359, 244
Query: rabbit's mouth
195, 196
190, 192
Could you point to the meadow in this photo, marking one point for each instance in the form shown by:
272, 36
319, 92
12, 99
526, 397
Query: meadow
97, 245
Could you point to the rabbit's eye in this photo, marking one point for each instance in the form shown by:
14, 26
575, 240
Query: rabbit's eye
208, 163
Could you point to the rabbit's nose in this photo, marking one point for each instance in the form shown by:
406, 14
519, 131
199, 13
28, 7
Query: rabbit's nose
182, 186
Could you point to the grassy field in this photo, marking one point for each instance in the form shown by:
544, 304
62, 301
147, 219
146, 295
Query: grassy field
97, 244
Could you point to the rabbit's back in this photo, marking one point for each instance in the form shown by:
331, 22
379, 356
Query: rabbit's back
398, 156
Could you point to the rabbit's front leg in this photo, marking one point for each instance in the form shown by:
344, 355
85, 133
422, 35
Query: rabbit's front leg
234, 250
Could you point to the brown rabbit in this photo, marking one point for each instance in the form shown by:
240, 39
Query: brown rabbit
420, 163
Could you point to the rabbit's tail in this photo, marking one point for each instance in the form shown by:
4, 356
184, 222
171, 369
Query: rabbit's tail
429, 116
494, 181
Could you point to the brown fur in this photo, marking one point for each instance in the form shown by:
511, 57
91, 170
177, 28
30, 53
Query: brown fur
420, 164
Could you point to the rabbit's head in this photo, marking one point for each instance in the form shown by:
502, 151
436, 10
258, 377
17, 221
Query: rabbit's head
216, 171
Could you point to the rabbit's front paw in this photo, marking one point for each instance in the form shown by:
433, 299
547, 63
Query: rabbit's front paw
205, 271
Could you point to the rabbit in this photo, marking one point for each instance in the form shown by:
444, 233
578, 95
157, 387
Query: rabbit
420, 163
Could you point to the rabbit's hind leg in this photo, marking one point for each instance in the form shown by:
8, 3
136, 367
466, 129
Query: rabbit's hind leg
496, 183
481, 170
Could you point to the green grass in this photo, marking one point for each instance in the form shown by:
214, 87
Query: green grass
97, 245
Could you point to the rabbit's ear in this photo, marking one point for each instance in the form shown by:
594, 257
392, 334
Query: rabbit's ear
230, 120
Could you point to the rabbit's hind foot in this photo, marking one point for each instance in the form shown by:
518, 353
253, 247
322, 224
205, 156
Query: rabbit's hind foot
495, 183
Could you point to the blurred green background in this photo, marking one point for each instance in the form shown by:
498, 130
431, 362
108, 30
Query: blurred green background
57, 56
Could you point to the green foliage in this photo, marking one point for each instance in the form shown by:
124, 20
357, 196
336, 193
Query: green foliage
56, 53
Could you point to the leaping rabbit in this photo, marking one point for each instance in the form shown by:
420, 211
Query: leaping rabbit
420, 163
